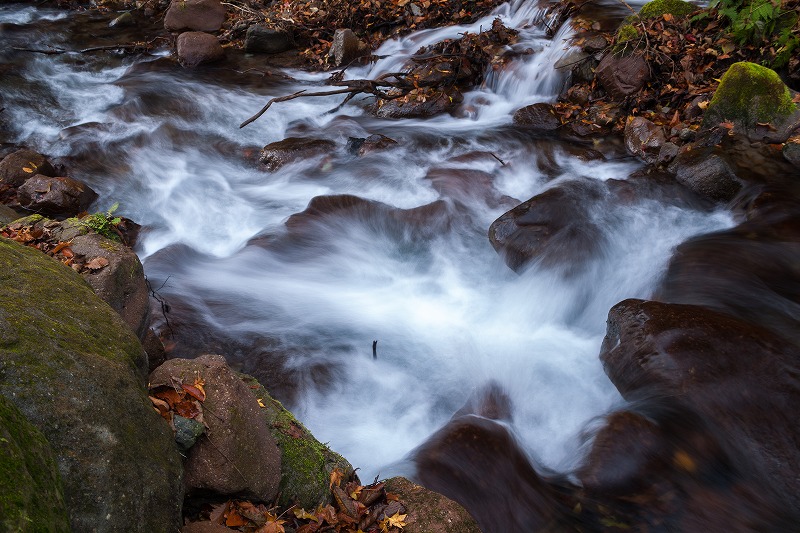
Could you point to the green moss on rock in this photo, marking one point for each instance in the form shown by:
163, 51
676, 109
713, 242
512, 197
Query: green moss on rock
76, 371
626, 32
306, 463
31, 494
748, 94
656, 8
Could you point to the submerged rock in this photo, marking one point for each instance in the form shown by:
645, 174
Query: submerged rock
706, 173
539, 117
31, 493
59, 336
275, 155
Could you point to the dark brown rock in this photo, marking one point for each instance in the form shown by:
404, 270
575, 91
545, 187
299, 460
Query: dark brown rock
428, 511
260, 39
467, 186
197, 48
740, 377
374, 143
578, 64
59, 196
346, 47
644, 139
791, 152
622, 76
540, 117
706, 173
237, 455
412, 108
21, 165
194, 15
275, 155
552, 228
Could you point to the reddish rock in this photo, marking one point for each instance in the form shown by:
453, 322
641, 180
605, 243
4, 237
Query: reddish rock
60, 196
374, 143
237, 456
19, 166
197, 48
275, 155
412, 108
644, 139
622, 76
194, 15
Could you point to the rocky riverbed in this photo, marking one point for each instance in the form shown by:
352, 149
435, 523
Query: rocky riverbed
127, 402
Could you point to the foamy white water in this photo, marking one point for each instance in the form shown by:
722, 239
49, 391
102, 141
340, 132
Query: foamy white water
449, 316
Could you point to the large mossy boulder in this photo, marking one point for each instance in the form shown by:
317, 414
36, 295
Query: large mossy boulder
657, 8
77, 372
306, 463
31, 494
756, 101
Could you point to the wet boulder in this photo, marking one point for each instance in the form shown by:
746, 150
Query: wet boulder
411, 107
32, 493
622, 75
7, 215
262, 40
346, 47
580, 65
738, 376
275, 155
756, 101
707, 173
539, 117
644, 139
430, 512
306, 463
237, 455
197, 48
552, 228
791, 152
21, 165
373, 143
194, 15
75, 370
467, 186
55, 196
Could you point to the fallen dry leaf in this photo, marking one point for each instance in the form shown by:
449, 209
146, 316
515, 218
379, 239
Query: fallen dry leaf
97, 263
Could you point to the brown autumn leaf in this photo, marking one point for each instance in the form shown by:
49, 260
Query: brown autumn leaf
234, 519
161, 406
169, 395
272, 527
327, 514
302, 514
188, 408
195, 392
97, 263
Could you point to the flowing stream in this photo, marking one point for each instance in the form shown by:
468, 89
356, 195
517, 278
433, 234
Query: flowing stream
302, 312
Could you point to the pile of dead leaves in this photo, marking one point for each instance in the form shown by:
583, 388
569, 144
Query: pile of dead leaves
687, 56
365, 509
182, 399
41, 238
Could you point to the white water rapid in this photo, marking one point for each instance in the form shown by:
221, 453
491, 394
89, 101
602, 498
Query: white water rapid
448, 314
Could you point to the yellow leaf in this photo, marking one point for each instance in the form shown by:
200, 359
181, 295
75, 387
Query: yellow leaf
261, 403
28, 170
396, 520
302, 514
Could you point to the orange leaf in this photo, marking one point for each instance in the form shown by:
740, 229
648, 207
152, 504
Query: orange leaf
195, 392
187, 408
336, 477
234, 519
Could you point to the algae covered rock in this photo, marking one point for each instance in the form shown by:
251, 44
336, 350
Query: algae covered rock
430, 512
76, 371
753, 97
656, 8
306, 463
31, 494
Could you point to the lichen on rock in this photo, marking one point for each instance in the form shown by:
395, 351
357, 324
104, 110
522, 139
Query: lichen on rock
31, 493
306, 463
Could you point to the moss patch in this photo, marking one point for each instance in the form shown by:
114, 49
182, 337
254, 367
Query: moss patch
72, 366
306, 463
656, 8
31, 494
748, 94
